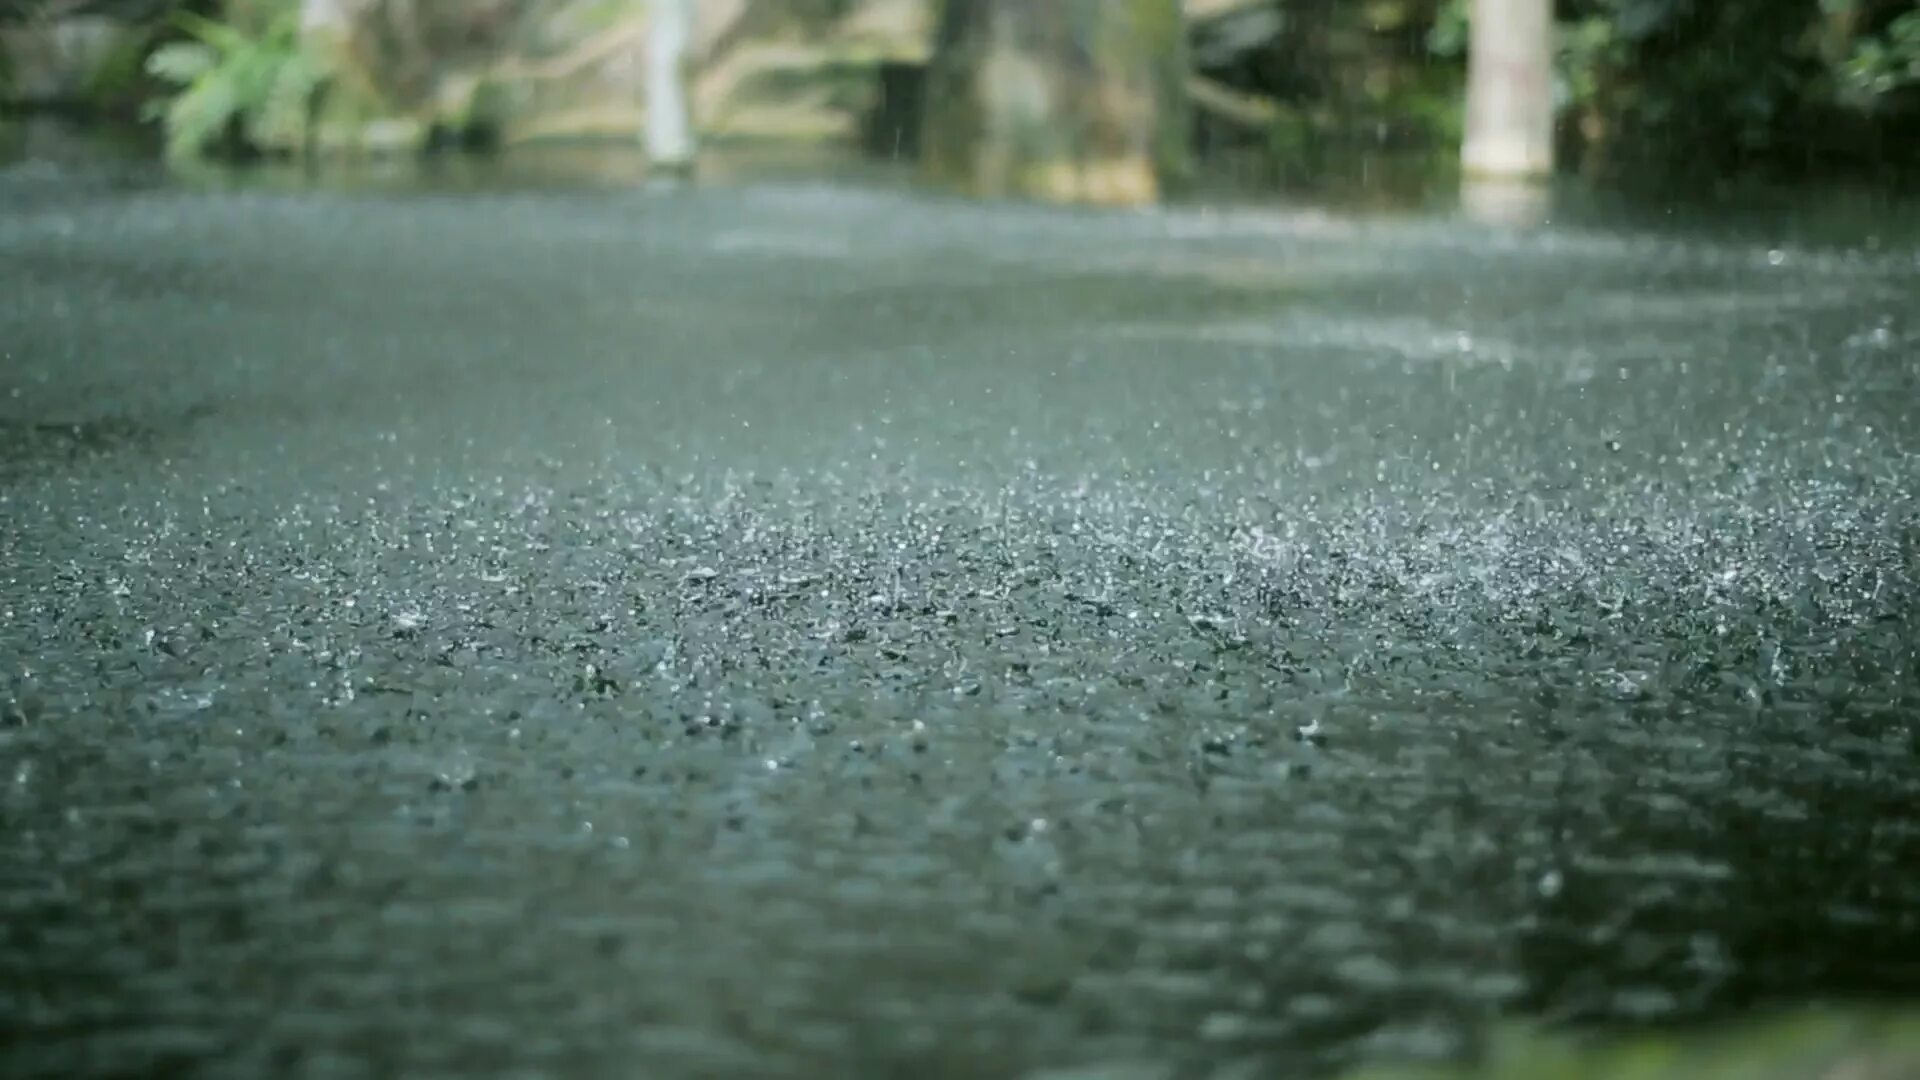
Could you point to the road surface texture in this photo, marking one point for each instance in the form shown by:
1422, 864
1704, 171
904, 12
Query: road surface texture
775, 630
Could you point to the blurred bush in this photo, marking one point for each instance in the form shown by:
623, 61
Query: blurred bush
71, 62
1676, 84
333, 76
246, 82
1643, 85
1884, 65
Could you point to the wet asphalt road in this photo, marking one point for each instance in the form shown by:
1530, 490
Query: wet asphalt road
780, 631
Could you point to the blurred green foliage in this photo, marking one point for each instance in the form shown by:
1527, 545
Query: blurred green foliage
1723, 84
1447, 36
1888, 63
1737, 82
1641, 85
1698, 80
120, 78
244, 81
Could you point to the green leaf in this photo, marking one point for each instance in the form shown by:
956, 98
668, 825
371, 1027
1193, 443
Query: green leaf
181, 62
226, 39
280, 120
200, 115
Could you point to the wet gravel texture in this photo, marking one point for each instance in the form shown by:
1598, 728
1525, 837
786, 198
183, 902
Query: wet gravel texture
779, 631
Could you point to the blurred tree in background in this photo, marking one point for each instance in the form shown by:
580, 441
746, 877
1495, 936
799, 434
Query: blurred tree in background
1075, 101
1799, 86
399, 75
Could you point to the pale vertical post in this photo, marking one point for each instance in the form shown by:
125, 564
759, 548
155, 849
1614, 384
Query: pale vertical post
1509, 130
669, 132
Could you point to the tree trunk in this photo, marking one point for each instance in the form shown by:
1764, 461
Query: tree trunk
1510, 89
669, 131
1065, 100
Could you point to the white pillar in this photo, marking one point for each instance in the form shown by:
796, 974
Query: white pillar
1506, 202
669, 131
1510, 89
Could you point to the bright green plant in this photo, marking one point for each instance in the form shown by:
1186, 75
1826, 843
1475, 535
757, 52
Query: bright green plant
249, 78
